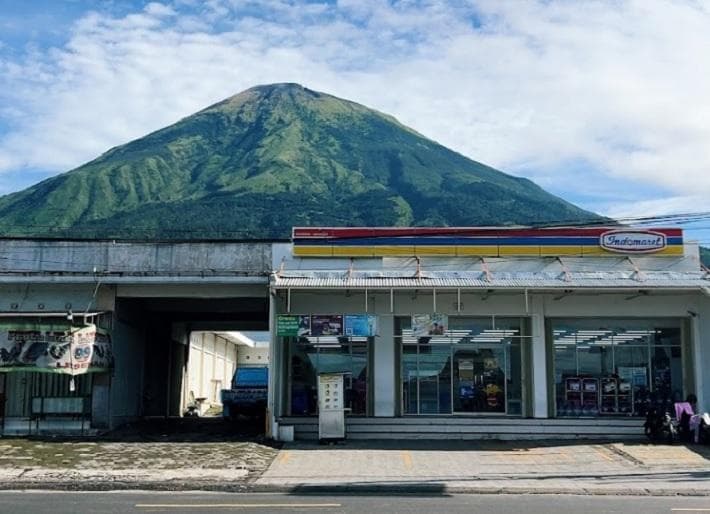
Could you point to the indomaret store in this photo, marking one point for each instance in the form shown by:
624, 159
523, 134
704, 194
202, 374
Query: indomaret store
490, 332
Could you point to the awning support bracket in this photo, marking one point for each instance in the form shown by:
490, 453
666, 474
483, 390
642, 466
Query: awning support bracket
486, 269
565, 270
638, 275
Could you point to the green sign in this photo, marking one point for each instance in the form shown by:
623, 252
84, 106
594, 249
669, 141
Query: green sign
293, 326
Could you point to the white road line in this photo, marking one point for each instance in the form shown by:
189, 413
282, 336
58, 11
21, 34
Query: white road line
237, 505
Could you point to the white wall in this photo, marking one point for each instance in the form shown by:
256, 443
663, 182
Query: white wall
211, 364
252, 356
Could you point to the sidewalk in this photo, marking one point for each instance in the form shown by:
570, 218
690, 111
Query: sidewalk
492, 467
374, 467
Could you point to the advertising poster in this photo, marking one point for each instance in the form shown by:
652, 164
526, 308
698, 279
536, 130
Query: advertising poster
364, 325
71, 351
293, 325
429, 324
326, 325
635, 375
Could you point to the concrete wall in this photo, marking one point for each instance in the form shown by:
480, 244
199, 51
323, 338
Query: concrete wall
103, 257
252, 356
19, 298
211, 365
127, 377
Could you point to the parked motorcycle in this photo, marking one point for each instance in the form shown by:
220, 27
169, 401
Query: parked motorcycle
660, 426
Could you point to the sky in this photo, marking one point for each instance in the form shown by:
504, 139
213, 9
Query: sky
605, 103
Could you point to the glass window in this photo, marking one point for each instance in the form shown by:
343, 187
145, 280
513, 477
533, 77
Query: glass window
310, 356
476, 367
410, 384
616, 366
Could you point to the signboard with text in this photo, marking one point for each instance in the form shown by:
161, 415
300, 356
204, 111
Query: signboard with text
632, 241
362, 325
51, 349
293, 325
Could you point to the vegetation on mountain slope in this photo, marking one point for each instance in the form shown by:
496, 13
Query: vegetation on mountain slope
270, 158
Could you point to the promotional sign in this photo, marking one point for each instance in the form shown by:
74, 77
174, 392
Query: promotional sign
633, 241
293, 326
429, 324
327, 325
364, 325
71, 351
635, 375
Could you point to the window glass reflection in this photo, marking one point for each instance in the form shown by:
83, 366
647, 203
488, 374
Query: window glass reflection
310, 356
616, 367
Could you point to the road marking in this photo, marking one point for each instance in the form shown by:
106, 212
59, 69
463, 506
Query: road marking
283, 457
407, 458
237, 505
690, 510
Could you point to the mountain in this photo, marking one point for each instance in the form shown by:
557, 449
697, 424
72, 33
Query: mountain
267, 159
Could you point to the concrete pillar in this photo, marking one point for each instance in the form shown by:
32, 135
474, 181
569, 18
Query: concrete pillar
384, 372
699, 325
539, 359
275, 376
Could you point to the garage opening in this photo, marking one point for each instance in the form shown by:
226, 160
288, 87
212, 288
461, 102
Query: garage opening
176, 356
226, 375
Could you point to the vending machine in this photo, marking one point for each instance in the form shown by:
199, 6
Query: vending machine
331, 406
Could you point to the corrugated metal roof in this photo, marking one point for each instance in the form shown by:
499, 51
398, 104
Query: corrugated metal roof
481, 280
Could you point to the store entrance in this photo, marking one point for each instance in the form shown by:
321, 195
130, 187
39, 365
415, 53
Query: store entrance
479, 379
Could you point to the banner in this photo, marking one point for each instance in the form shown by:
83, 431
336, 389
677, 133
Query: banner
327, 325
49, 349
429, 324
360, 325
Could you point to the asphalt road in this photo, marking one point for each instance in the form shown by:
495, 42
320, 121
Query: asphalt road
139, 502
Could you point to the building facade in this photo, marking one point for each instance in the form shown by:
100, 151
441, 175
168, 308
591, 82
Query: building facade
459, 331
441, 332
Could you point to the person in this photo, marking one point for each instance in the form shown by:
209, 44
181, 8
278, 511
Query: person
690, 421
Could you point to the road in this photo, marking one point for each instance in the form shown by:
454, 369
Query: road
139, 502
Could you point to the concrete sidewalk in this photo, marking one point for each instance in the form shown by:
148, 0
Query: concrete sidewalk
380, 467
492, 467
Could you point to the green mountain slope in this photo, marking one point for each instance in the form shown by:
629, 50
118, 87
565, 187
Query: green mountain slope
269, 158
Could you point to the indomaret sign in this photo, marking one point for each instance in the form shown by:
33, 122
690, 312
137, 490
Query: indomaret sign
633, 241
501, 242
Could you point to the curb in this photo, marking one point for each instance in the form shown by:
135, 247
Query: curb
343, 489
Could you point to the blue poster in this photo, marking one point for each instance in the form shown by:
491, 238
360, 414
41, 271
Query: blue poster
360, 325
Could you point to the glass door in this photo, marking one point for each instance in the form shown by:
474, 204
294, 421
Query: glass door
479, 379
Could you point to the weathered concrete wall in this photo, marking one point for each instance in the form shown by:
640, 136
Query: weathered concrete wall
127, 376
217, 258
55, 298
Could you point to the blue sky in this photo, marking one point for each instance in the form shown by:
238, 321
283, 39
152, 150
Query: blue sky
603, 102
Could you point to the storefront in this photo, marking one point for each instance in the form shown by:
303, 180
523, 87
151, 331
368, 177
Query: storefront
476, 368
618, 366
54, 373
471, 324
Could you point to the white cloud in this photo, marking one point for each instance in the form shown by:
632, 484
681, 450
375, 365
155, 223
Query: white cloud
523, 86
158, 9
649, 208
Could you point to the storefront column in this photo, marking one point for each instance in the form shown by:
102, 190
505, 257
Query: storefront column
699, 325
275, 374
539, 359
384, 372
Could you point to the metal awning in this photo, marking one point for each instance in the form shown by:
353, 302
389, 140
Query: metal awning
490, 280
